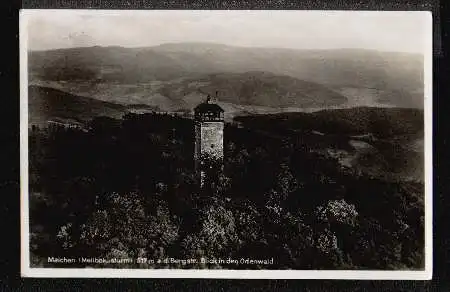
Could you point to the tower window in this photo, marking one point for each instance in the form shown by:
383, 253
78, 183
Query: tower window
212, 145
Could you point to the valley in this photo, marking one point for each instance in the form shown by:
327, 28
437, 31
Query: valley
178, 76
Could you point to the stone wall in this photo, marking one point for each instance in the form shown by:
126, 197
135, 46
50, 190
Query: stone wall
209, 139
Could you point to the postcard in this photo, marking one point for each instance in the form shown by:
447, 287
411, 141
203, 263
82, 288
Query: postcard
226, 144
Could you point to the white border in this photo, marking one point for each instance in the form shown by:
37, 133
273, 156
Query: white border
27, 271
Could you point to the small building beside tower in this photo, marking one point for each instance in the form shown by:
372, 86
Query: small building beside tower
209, 126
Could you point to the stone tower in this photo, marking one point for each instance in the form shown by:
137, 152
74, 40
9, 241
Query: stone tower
209, 125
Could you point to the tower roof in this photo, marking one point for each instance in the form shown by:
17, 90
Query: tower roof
208, 106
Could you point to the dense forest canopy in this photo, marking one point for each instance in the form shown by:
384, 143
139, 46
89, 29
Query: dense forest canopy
127, 187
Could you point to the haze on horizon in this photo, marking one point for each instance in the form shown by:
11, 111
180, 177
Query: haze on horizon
394, 31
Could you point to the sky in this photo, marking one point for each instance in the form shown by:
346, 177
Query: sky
379, 30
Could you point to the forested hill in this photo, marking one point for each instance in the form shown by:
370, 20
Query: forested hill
254, 88
382, 122
134, 194
47, 103
386, 142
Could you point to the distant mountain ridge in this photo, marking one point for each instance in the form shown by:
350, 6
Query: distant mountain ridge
398, 76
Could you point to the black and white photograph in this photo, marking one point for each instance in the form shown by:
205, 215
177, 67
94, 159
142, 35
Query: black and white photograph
226, 144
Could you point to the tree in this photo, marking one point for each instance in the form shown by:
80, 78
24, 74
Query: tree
286, 182
125, 227
217, 235
338, 211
